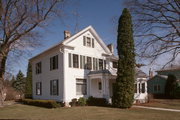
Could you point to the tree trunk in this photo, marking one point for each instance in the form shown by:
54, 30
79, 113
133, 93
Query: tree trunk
3, 58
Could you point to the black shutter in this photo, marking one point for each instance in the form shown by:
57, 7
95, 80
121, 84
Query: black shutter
51, 87
57, 61
57, 87
92, 42
40, 88
84, 40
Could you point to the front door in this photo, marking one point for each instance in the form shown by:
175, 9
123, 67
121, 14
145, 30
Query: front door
96, 88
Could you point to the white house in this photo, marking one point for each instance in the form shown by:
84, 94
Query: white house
79, 66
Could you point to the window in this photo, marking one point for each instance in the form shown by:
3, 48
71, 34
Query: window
38, 68
75, 61
54, 87
100, 64
139, 88
100, 86
135, 88
89, 63
96, 64
70, 61
38, 88
104, 64
81, 87
115, 64
157, 88
88, 42
54, 62
143, 87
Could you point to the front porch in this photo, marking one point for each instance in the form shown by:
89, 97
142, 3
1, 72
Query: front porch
100, 84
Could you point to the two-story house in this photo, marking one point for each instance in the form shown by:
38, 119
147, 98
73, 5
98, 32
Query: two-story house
79, 66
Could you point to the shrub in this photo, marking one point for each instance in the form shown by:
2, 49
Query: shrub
92, 101
41, 103
28, 96
81, 101
74, 102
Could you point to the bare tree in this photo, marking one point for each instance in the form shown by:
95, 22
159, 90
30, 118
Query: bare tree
156, 28
19, 20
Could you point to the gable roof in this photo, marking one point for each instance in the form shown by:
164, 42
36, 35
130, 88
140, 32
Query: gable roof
66, 41
93, 32
160, 76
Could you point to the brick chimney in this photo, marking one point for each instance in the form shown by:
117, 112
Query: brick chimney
67, 34
111, 48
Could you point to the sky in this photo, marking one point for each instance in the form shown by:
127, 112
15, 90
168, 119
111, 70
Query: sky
77, 15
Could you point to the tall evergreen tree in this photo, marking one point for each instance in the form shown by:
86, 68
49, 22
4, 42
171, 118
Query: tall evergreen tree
123, 89
19, 83
28, 85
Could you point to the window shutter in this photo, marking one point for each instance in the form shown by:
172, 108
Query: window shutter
40, 88
70, 60
36, 88
104, 64
51, 87
57, 87
50, 63
84, 40
92, 43
57, 61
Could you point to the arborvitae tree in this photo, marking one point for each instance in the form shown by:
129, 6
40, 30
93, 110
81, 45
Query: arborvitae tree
170, 86
19, 83
123, 89
28, 85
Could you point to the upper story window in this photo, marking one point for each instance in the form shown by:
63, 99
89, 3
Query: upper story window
87, 41
115, 65
100, 64
38, 68
89, 63
54, 62
75, 61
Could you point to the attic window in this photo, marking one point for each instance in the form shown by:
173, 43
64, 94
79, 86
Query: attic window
87, 41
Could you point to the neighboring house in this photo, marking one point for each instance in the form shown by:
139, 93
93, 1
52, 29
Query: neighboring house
79, 66
140, 91
156, 85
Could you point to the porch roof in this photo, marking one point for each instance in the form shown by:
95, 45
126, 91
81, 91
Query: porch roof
99, 72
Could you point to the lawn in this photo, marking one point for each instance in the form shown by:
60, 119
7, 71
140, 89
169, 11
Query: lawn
164, 103
19, 111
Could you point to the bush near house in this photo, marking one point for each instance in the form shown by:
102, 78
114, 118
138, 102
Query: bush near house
41, 103
82, 101
74, 102
92, 101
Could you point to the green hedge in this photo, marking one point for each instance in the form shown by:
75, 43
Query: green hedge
92, 101
41, 103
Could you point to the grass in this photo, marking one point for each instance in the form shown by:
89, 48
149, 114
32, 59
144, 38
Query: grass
164, 103
19, 111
